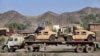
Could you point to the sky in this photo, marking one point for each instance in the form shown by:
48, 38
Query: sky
38, 7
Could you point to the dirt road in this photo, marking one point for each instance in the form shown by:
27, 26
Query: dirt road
49, 54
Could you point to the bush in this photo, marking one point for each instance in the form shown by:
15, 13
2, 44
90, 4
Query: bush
1, 40
17, 26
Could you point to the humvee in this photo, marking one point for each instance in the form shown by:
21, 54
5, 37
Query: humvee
80, 34
43, 33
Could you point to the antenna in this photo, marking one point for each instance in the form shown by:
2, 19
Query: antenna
44, 23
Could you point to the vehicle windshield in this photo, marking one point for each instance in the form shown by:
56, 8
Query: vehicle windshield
39, 29
10, 39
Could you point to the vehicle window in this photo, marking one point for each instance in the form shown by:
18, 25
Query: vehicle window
77, 33
45, 33
39, 33
15, 39
10, 39
83, 33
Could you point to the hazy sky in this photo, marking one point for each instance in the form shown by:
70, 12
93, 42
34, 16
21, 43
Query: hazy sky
37, 7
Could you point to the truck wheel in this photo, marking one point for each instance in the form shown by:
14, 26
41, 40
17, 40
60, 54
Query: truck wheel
52, 38
89, 49
36, 49
69, 38
6, 49
31, 38
12, 50
79, 49
90, 38
30, 49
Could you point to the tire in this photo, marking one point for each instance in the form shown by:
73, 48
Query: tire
68, 38
30, 49
6, 49
52, 38
36, 49
26, 48
31, 38
79, 49
90, 38
89, 49
13, 50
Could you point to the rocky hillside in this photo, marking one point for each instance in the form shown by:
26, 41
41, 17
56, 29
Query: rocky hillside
12, 16
85, 15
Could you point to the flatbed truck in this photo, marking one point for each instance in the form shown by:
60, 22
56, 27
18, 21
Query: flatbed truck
78, 46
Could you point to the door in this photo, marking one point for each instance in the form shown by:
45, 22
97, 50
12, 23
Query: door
15, 42
43, 35
77, 35
83, 35
39, 35
46, 35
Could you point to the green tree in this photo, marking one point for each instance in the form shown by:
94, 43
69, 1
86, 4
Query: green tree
88, 19
17, 26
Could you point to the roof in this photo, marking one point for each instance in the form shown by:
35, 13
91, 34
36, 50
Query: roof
94, 24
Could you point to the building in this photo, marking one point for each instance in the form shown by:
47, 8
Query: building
94, 27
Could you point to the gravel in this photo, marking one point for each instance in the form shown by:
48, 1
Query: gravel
49, 54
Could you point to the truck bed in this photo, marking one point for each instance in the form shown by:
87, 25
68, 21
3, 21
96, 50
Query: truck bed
61, 42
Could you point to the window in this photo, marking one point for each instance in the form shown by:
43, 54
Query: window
77, 33
10, 39
15, 39
39, 33
83, 33
45, 33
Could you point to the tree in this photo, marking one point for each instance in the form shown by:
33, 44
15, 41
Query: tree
88, 19
17, 26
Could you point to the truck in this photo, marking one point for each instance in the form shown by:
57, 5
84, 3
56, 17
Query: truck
44, 37
15, 42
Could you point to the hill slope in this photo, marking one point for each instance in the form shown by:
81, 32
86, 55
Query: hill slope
88, 14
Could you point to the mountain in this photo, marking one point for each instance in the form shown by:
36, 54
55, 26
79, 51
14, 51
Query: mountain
85, 15
12, 16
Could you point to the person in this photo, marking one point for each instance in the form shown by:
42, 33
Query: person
59, 32
39, 29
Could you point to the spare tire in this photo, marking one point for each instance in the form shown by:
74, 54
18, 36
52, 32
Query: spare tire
68, 38
31, 38
90, 38
52, 38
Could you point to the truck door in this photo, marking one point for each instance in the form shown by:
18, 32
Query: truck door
77, 35
83, 34
15, 41
45, 34
39, 35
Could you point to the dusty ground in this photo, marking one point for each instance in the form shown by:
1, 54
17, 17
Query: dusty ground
49, 54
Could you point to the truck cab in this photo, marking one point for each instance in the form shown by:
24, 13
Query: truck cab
13, 43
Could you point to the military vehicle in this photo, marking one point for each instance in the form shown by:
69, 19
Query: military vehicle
14, 42
43, 33
30, 44
79, 33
